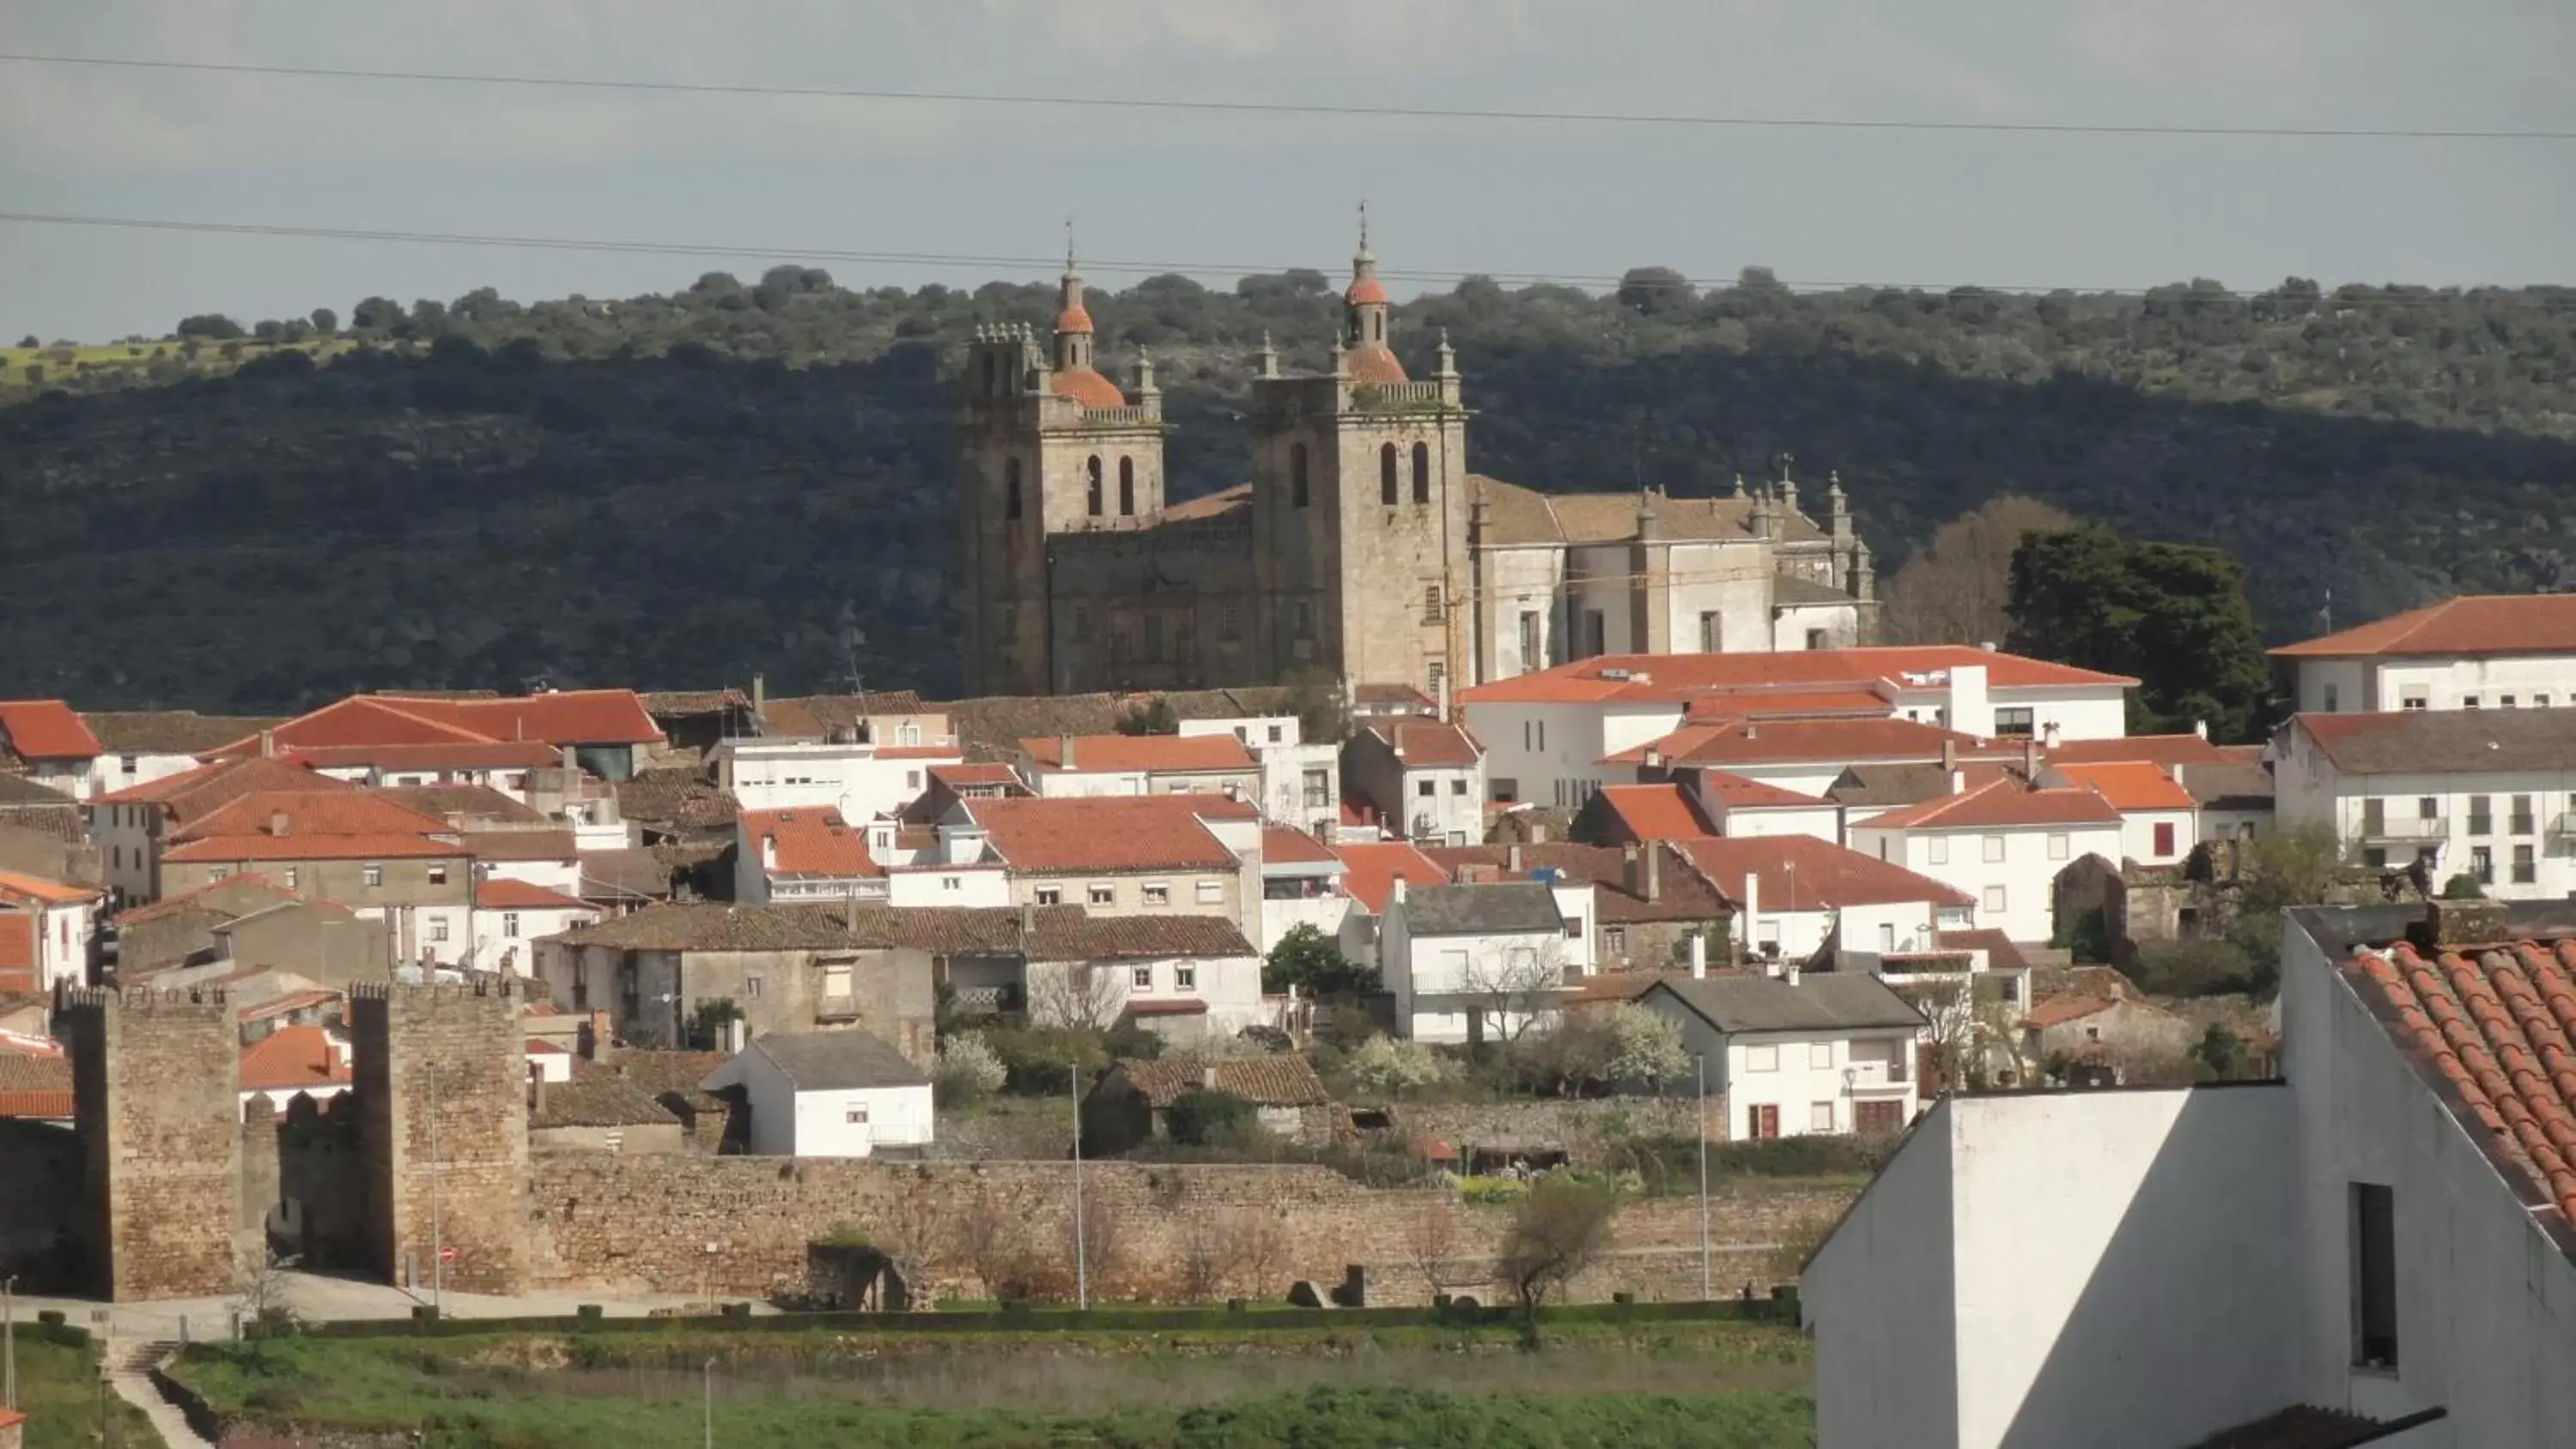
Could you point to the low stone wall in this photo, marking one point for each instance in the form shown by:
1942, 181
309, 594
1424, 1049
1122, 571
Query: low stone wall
1584, 1129
741, 1225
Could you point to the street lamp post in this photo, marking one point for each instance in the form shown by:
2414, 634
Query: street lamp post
1701, 1061
1081, 1237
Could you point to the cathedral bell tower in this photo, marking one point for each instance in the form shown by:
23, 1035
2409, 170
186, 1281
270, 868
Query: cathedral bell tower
1360, 501
1046, 446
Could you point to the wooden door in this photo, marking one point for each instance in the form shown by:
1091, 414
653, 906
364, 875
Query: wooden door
1878, 1119
1762, 1122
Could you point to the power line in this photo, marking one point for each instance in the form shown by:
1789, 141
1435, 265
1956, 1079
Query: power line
1307, 108
770, 252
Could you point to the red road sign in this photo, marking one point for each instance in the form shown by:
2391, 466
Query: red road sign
447, 1255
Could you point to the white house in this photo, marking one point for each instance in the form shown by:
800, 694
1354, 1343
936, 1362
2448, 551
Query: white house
2003, 843
805, 853
1077, 765
1183, 977
1301, 885
2492, 651
511, 915
1794, 1055
827, 1094
1794, 895
859, 777
2387, 1233
1301, 782
1547, 733
2488, 792
1480, 962
51, 744
45, 931
1424, 779
1743, 808
137, 747
2159, 819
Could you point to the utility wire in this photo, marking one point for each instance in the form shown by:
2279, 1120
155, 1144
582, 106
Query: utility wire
1307, 108
762, 251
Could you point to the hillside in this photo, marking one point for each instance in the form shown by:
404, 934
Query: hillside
678, 490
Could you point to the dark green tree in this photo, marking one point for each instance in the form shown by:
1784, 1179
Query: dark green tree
2174, 616
1654, 290
1209, 1118
210, 324
376, 314
325, 321
1310, 961
1154, 717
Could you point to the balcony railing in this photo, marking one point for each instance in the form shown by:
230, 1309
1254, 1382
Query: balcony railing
2411, 827
1876, 1076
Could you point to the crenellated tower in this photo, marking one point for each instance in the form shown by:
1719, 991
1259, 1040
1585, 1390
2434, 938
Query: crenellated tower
1360, 502
1047, 445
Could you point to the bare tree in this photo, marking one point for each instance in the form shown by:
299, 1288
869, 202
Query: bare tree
1074, 995
260, 1304
986, 1239
1256, 1251
1436, 1242
1557, 1231
1953, 591
1201, 1265
1104, 1247
1515, 990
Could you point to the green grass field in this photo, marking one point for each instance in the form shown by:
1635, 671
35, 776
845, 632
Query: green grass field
88, 363
58, 1392
1687, 1386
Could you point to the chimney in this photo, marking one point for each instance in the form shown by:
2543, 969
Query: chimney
1064, 752
278, 824
1395, 897
1699, 955
1789, 970
1207, 1076
1654, 758
536, 1089
769, 852
1512, 859
1028, 922
1631, 878
1654, 857
2030, 761
2048, 734
2200, 727
268, 744
759, 699
569, 760
1752, 901
1949, 756
1444, 696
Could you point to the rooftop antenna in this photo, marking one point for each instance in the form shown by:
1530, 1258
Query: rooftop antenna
1363, 224
1068, 241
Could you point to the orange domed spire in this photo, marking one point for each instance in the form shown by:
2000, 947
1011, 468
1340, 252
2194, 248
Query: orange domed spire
1364, 317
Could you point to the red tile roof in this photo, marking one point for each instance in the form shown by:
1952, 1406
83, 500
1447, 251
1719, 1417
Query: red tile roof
1283, 846
1369, 871
1275, 1080
1075, 318
968, 776
18, 952
1365, 291
2001, 803
501, 893
290, 1003
2494, 1028
2475, 624
443, 755
1652, 812
222, 848
184, 797
1374, 362
811, 840
1735, 792
292, 1059
35, 1084
45, 729
570, 717
172, 905
1678, 678
1827, 877
1088, 388
1737, 742
2157, 749
2064, 1007
309, 812
1427, 743
2001, 953
2130, 785
1123, 832
43, 891
1777, 702
1165, 754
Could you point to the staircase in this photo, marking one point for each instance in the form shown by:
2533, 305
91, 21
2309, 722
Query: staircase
129, 1364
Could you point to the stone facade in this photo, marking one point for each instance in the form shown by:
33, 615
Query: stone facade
442, 1084
156, 1084
742, 1225
652, 997
1362, 547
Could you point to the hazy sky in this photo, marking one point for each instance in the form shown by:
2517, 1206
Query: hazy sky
1227, 193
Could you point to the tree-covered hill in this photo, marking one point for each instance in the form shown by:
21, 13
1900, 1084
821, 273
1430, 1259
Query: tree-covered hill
679, 490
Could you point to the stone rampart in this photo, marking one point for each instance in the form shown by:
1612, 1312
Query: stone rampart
156, 1093
441, 1082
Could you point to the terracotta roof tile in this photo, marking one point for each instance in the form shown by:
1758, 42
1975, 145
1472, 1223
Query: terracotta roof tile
1790, 702
1148, 832
18, 952
2444, 741
597, 1097
1826, 877
45, 729
1373, 363
1277, 1080
44, 890
185, 796
444, 755
2001, 953
1650, 812
500, 893
1087, 387
2157, 749
1678, 678
2001, 803
196, 899
35, 1084
522, 845
1428, 743
1283, 846
374, 846
1369, 872
2477, 624
563, 717
1079, 936
1681, 893
309, 812
2495, 1028
293, 1058
679, 798
1738, 742
1171, 754
2064, 1007
809, 840
815, 716
1736, 792
2129, 784
457, 803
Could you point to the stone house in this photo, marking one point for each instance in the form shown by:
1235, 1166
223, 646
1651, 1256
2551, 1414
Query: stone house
1128, 1104
350, 848
1649, 904
600, 1111
1193, 855
2109, 1025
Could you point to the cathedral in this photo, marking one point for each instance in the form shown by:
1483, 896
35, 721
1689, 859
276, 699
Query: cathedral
1363, 546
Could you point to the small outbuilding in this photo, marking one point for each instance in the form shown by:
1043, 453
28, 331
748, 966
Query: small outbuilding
828, 1094
1128, 1104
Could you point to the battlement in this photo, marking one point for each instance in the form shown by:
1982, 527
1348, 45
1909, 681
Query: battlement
476, 986
68, 998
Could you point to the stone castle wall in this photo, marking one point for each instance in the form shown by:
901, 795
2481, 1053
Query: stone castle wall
156, 1086
441, 1082
741, 1225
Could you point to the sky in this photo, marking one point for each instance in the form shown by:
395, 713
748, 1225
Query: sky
753, 178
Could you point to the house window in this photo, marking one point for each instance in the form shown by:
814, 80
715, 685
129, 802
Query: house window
2540, 701
1158, 895
1140, 978
1614, 939
2015, 720
1126, 487
2481, 815
751, 985
2334, 700
2504, 701
2427, 808
1011, 488
2468, 701
438, 873
1091, 486
1050, 895
1386, 483
2413, 700
1278, 734
2057, 847
1426, 788
438, 928
1815, 639
292, 875
855, 1116
2526, 870
1574, 928
2164, 837
1211, 893
1529, 639
1994, 848
1762, 1121
1458, 786
1185, 977
1297, 491
1433, 671
1596, 633
1503, 790
2482, 864
2375, 858
2374, 1276
1431, 604
951, 883
1421, 472
1226, 625
836, 981
510, 924
1820, 1117
126, 763
1820, 1055
1762, 1059
2522, 819
912, 779
1102, 895
371, 874
1712, 633
1318, 789
1994, 900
